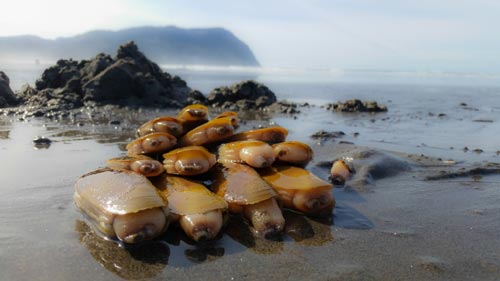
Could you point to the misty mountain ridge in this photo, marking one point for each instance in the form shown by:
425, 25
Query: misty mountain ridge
164, 45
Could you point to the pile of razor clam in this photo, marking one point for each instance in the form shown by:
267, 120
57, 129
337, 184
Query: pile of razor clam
163, 180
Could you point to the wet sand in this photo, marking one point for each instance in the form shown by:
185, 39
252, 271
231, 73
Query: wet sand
398, 227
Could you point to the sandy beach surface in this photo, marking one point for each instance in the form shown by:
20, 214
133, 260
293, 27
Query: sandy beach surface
394, 225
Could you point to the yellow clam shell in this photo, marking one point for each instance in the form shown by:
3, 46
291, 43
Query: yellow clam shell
103, 194
186, 197
240, 184
189, 160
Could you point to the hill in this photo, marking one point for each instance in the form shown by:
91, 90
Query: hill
164, 45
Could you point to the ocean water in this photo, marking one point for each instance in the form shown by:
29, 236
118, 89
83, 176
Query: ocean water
437, 113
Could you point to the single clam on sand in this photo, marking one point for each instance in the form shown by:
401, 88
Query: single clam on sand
188, 161
257, 154
198, 211
122, 204
248, 194
340, 172
300, 190
140, 164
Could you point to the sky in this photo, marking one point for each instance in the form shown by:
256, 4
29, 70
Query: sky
396, 35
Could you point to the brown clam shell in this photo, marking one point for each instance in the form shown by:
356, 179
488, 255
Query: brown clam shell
141, 164
270, 135
104, 194
213, 131
300, 189
233, 115
293, 178
186, 197
257, 154
192, 116
165, 124
241, 185
152, 143
188, 161
293, 152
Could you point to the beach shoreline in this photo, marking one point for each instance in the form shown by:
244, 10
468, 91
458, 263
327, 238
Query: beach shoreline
397, 227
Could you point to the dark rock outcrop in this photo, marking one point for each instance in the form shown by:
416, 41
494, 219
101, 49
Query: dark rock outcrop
128, 79
242, 95
356, 105
7, 97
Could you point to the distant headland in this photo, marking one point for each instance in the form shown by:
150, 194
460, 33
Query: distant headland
165, 45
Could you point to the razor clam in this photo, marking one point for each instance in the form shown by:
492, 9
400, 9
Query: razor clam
248, 194
213, 131
300, 190
233, 115
270, 135
152, 143
188, 161
122, 204
198, 210
164, 124
140, 164
257, 154
293, 152
193, 116
340, 172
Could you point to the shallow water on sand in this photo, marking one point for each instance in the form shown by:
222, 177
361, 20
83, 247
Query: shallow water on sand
401, 227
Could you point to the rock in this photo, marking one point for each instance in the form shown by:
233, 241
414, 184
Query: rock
321, 134
284, 107
243, 95
196, 96
129, 79
356, 105
7, 97
41, 142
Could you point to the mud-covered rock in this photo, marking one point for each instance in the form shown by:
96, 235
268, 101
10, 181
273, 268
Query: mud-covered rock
356, 105
284, 107
7, 97
322, 134
129, 79
242, 95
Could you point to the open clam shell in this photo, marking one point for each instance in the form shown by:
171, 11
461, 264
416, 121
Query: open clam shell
122, 204
300, 189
